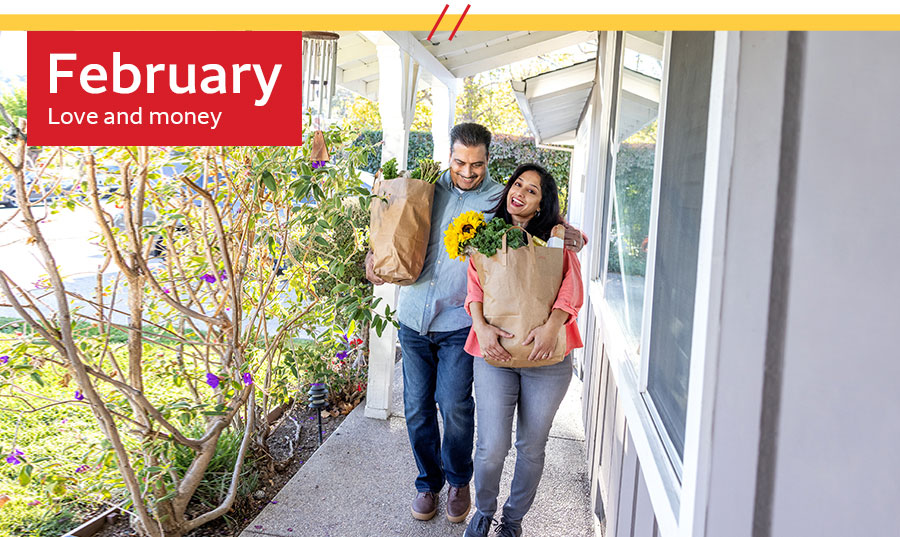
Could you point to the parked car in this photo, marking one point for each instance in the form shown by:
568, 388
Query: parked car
36, 192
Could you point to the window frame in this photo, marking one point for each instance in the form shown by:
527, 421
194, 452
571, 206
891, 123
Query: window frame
676, 485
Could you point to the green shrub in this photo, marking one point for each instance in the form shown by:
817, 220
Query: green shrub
217, 477
634, 183
507, 152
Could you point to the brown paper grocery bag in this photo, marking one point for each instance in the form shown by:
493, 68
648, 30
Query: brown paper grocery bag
399, 228
520, 287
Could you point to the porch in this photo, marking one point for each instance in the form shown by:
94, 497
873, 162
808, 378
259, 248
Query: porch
360, 483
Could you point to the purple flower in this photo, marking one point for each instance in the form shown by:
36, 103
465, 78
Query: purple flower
64, 421
166, 290
4, 359
248, 378
222, 275
14, 457
316, 164
208, 278
274, 501
81, 469
342, 355
34, 502
212, 380
79, 396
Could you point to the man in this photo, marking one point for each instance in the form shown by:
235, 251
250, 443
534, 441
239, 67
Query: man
433, 330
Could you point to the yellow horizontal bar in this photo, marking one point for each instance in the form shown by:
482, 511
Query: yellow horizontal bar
471, 22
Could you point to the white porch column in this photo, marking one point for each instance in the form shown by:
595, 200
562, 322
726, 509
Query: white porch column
397, 75
443, 115
381, 359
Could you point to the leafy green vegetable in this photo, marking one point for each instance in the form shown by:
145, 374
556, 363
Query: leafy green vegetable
389, 169
489, 238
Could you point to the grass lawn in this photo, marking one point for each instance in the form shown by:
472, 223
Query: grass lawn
72, 471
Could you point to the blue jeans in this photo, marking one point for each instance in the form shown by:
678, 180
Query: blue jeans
436, 369
537, 392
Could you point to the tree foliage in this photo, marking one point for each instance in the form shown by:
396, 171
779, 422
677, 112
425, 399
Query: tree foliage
15, 103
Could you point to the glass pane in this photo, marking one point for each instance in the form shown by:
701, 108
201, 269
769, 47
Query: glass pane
636, 123
678, 229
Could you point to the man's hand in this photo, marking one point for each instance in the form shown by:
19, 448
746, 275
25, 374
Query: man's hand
574, 238
489, 340
370, 269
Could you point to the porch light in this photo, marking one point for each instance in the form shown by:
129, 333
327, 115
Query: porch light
319, 71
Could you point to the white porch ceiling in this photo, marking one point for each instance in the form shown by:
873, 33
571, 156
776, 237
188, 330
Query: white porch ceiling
639, 104
552, 103
469, 53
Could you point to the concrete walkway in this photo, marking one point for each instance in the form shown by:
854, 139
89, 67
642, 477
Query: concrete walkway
360, 483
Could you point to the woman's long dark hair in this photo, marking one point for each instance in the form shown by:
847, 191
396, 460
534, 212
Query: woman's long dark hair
548, 211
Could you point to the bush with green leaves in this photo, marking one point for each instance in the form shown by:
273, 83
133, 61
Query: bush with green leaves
634, 184
212, 295
507, 152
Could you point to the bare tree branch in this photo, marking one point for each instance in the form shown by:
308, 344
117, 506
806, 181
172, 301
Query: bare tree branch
235, 475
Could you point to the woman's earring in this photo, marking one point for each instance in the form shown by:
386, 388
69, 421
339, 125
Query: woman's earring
538, 213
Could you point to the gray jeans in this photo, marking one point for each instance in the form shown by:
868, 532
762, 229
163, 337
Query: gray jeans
536, 392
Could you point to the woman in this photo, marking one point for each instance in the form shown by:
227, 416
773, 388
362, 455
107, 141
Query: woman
530, 200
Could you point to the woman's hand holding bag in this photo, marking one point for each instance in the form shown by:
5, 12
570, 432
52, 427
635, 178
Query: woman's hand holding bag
520, 286
489, 339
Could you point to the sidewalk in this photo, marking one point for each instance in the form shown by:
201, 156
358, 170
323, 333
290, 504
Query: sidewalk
360, 483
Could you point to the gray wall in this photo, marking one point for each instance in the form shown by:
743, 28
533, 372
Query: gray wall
805, 363
838, 430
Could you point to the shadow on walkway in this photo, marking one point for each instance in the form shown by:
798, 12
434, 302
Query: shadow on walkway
360, 483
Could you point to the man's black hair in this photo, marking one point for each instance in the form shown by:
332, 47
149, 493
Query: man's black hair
471, 135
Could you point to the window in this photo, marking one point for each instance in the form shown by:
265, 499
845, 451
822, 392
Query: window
678, 231
655, 196
634, 144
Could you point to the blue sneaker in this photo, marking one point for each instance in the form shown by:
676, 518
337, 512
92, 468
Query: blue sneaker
506, 529
479, 526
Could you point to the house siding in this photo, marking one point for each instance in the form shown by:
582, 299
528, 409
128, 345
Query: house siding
831, 469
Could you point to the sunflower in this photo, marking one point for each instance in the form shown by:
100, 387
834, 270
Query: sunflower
452, 245
467, 224
463, 228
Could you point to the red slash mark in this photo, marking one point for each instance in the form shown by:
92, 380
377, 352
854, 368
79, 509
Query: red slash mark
460, 21
439, 21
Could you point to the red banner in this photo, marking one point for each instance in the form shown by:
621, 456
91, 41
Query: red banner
164, 88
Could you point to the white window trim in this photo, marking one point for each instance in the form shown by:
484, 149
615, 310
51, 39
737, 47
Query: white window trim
650, 271
679, 504
703, 374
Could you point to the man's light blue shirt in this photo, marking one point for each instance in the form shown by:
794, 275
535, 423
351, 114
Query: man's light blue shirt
435, 302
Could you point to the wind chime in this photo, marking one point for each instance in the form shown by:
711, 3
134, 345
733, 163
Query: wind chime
319, 75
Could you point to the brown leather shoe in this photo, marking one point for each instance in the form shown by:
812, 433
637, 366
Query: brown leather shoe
424, 506
458, 503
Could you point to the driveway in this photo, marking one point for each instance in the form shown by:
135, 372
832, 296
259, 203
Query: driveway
73, 240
